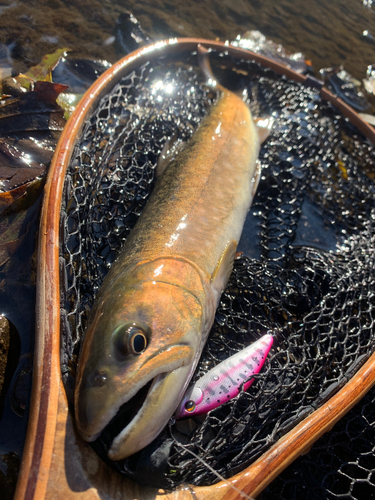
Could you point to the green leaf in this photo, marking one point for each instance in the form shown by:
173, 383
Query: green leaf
68, 102
42, 71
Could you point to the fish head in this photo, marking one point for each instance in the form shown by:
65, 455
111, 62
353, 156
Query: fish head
138, 355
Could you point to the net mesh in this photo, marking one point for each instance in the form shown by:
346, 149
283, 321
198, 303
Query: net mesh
340, 465
306, 270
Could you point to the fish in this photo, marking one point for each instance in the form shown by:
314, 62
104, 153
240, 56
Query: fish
157, 304
224, 382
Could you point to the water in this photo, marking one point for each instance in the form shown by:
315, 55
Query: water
328, 33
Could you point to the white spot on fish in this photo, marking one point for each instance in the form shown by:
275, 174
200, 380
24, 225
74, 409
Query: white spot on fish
158, 270
216, 377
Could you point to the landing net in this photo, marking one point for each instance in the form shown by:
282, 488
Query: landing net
306, 271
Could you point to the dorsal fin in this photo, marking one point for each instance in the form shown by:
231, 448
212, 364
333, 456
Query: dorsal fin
169, 152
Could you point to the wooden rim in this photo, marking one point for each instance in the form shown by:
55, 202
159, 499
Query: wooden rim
38, 448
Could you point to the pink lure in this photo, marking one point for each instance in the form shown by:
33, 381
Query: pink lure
223, 382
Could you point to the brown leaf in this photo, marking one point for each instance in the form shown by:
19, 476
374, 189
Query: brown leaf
48, 92
28, 113
17, 168
21, 197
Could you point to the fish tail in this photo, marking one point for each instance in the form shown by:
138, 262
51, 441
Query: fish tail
264, 125
204, 63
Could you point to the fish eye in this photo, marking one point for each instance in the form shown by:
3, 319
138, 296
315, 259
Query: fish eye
190, 406
138, 342
131, 339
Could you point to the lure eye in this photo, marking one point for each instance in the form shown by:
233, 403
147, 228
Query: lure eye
190, 406
131, 339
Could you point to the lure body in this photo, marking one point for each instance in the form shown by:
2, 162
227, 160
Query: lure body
224, 381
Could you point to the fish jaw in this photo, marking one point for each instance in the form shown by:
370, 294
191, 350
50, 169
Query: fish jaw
152, 417
97, 405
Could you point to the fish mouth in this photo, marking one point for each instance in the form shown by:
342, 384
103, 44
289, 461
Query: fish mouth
128, 424
140, 420
126, 413
124, 423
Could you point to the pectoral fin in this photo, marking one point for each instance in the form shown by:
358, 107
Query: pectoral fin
264, 127
256, 178
224, 267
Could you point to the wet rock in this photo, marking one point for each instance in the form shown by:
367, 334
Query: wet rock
4, 348
19, 396
256, 42
12, 87
79, 74
29, 113
9, 468
129, 34
346, 87
10, 347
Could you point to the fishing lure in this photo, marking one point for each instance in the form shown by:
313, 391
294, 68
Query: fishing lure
224, 381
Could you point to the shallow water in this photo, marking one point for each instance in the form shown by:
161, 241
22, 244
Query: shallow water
329, 34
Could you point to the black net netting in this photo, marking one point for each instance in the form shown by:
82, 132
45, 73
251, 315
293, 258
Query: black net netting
306, 270
341, 465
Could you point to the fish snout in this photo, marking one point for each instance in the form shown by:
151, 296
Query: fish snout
99, 378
